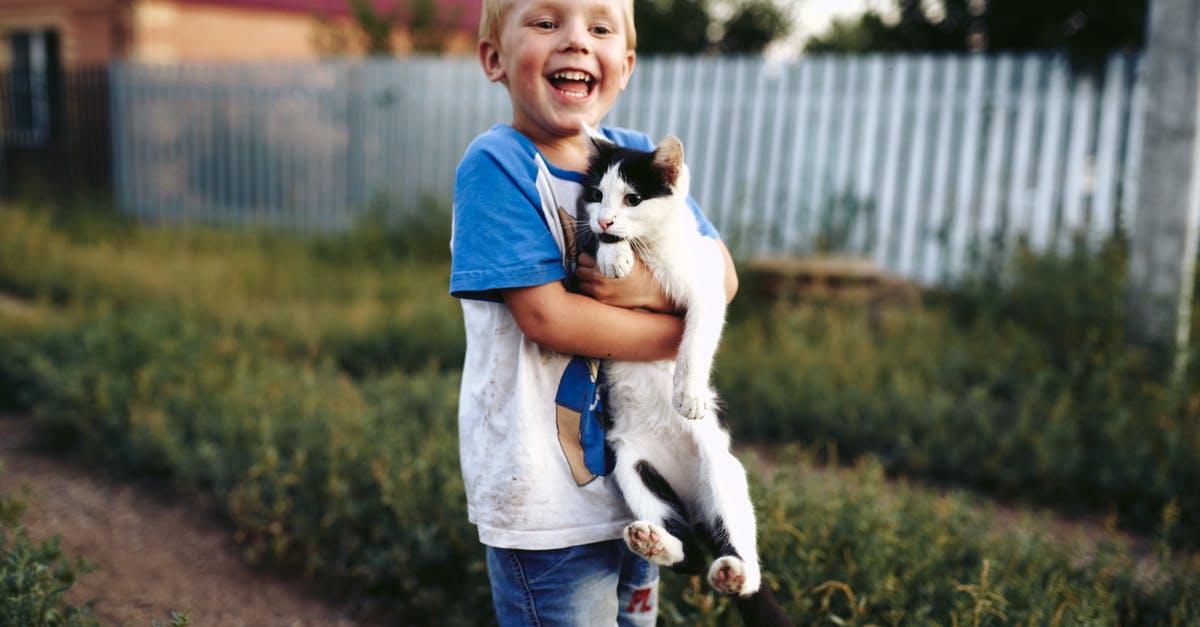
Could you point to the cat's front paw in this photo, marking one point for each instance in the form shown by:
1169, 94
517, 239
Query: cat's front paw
653, 543
692, 406
692, 399
730, 575
615, 260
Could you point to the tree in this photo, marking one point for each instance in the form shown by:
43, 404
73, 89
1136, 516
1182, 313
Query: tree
1086, 29
753, 25
373, 28
672, 26
689, 27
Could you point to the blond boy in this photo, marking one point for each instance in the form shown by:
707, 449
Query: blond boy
532, 464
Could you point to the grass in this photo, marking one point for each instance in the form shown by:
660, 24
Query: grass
309, 385
1024, 388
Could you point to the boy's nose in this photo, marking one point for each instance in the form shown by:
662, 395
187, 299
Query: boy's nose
576, 37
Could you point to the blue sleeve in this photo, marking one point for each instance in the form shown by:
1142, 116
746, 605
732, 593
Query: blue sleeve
500, 239
706, 228
640, 141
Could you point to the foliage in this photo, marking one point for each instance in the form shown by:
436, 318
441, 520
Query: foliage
178, 619
213, 358
33, 579
34, 576
753, 25
373, 28
851, 547
1022, 386
1086, 30
672, 26
690, 26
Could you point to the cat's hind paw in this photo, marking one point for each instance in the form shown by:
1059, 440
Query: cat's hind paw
615, 260
653, 543
730, 575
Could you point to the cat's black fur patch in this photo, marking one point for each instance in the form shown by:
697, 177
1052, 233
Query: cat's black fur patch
718, 535
678, 523
662, 490
636, 167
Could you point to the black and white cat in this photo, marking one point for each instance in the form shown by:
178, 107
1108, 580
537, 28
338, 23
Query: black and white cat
673, 462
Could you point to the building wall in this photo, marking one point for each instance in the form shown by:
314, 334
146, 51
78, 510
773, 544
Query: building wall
163, 31
91, 31
168, 31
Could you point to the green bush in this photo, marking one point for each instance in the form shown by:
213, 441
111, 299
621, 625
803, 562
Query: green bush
1025, 388
310, 387
35, 576
353, 482
851, 547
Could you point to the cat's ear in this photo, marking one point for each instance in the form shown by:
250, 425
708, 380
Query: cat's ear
597, 142
668, 158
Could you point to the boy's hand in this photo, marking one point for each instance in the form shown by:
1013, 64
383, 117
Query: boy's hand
636, 290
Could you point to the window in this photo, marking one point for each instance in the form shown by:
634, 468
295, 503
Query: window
34, 86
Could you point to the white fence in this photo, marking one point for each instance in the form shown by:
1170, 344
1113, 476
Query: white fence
924, 163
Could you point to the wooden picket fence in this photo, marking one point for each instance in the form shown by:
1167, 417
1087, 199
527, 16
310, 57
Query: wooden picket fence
926, 164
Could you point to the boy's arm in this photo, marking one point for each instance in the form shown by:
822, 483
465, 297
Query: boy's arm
576, 324
600, 325
636, 291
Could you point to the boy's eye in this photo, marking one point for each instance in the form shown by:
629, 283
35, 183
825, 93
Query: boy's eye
543, 24
601, 30
633, 200
593, 194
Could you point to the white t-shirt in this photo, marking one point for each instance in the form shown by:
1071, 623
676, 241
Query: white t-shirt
529, 449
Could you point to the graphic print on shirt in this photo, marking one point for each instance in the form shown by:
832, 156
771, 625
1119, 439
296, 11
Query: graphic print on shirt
579, 410
579, 407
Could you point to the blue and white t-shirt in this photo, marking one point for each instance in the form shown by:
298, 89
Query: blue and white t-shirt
527, 447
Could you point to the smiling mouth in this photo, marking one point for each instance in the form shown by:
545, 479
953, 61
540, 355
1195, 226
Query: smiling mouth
573, 83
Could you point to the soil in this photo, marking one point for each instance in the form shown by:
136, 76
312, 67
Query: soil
154, 552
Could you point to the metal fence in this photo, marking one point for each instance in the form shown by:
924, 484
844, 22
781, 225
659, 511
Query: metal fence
923, 163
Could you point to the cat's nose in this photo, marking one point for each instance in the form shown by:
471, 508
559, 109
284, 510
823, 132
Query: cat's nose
604, 224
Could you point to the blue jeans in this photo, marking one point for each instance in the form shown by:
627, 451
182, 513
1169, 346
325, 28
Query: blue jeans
601, 584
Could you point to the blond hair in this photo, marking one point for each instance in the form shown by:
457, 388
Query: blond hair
492, 17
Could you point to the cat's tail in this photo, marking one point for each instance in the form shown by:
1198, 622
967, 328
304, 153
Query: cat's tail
761, 609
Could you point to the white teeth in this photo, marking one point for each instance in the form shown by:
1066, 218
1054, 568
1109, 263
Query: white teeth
572, 76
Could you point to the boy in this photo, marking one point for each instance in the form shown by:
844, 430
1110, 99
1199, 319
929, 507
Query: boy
551, 523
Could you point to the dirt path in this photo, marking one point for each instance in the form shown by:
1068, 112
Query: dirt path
155, 553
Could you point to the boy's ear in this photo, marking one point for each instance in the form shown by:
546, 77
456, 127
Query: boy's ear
489, 58
630, 57
596, 141
668, 158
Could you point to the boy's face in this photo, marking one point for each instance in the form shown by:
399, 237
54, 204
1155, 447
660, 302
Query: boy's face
564, 62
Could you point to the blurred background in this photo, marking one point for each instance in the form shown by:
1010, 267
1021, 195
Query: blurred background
962, 369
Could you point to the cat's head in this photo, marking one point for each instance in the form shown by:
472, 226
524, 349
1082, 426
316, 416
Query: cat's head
633, 194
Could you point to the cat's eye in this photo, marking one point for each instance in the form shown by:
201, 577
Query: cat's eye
633, 200
593, 194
